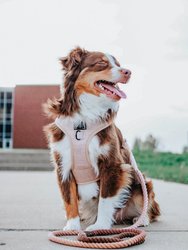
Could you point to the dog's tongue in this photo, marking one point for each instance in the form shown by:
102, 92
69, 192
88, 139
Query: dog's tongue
118, 92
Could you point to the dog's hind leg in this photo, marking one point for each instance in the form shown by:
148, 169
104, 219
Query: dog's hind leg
114, 191
134, 206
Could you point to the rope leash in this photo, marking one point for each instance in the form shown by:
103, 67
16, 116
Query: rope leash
85, 240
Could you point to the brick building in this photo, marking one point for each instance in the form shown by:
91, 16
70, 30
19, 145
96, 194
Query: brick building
21, 115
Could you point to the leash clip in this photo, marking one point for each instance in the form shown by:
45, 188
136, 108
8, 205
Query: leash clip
79, 135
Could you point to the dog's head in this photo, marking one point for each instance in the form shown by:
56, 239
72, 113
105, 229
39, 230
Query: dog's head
93, 75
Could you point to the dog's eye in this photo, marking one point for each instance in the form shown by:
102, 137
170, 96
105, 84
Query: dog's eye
101, 63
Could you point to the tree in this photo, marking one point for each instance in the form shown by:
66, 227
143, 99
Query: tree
137, 144
149, 144
185, 149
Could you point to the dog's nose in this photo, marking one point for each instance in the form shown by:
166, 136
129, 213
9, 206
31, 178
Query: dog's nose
126, 72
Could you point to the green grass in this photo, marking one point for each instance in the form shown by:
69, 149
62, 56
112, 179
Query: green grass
166, 166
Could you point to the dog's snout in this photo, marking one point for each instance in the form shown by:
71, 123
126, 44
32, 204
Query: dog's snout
126, 72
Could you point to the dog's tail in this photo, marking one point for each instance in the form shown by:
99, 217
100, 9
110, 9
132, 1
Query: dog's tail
154, 209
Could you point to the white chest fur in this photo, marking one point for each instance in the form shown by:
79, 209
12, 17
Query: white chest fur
86, 191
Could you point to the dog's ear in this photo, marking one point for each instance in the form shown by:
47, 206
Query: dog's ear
73, 59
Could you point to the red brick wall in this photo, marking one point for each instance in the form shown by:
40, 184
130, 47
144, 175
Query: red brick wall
28, 119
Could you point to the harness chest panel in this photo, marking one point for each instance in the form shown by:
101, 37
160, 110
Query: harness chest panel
80, 138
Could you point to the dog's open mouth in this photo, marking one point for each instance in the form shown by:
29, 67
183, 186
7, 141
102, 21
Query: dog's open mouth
111, 89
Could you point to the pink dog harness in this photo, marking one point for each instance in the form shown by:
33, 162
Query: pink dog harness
80, 137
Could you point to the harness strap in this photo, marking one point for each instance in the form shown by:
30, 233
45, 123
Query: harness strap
79, 139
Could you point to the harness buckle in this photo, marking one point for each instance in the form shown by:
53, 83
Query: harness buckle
81, 126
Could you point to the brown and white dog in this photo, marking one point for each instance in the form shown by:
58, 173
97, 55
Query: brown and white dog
90, 93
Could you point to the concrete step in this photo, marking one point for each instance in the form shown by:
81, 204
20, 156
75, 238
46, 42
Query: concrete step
26, 166
25, 159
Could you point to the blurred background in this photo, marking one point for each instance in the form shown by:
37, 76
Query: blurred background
148, 37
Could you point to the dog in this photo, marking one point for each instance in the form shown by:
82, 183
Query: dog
90, 94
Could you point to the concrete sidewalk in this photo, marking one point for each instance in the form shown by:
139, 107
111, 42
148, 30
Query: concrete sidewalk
30, 206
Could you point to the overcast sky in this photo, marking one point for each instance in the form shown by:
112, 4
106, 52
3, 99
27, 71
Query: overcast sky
150, 37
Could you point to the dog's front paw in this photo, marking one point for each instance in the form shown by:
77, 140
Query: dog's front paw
144, 223
73, 224
97, 226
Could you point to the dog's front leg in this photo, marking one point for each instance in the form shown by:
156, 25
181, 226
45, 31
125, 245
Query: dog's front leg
69, 194
114, 191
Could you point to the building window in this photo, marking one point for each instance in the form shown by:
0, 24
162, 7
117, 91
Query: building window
1, 95
6, 102
9, 96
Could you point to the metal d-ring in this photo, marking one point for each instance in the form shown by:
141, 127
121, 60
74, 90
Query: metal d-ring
76, 135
